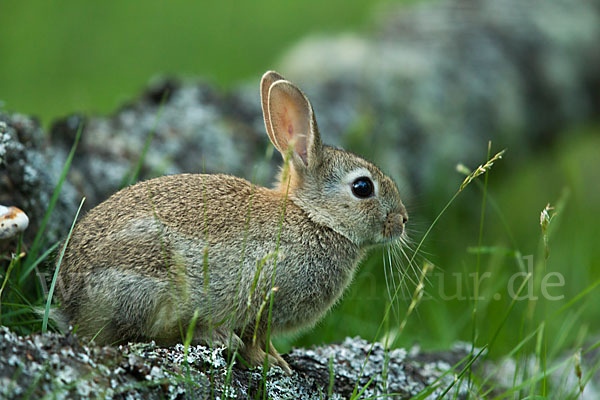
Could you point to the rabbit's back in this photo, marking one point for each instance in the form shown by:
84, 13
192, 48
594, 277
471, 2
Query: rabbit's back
138, 222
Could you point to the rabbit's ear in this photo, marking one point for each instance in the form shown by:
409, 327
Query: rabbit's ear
292, 121
267, 80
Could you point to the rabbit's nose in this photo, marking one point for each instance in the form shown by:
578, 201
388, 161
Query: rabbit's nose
404, 215
393, 226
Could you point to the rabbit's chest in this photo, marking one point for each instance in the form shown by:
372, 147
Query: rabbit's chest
309, 284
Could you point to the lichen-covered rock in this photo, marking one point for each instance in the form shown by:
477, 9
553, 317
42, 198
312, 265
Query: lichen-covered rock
39, 365
171, 129
50, 364
29, 172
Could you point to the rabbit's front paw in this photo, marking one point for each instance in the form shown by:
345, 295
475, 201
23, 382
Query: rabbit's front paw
218, 337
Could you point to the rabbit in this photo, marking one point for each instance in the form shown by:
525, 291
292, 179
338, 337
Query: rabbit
234, 261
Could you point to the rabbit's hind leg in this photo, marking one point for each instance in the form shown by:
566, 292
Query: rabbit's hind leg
279, 360
255, 354
113, 306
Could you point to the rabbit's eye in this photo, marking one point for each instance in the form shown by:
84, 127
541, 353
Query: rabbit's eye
362, 187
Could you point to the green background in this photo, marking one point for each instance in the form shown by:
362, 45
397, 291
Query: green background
58, 57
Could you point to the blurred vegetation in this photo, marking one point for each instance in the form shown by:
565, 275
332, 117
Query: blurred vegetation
62, 57
71, 56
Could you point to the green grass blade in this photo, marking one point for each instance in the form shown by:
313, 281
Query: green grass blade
37, 262
357, 396
507, 313
331, 378
536, 378
186, 348
285, 178
518, 347
464, 370
37, 241
433, 386
576, 298
474, 331
55, 277
133, 177
13, 263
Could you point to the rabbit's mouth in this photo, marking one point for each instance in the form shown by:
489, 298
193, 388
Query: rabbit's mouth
397, 241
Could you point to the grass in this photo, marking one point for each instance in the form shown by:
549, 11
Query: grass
418, 292
132, 178
56, 271
505, 326
38, 241
25, 288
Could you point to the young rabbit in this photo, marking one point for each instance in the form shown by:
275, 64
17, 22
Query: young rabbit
143, 263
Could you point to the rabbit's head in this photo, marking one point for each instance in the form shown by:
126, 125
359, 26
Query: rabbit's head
336, 188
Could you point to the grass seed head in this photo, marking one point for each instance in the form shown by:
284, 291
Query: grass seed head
546, 217
482, 169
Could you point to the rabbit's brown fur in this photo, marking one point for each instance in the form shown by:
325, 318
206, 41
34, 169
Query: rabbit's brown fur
139, 265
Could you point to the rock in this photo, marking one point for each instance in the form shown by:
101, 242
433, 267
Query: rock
29, 172
40, 364
49, 363
195, 129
